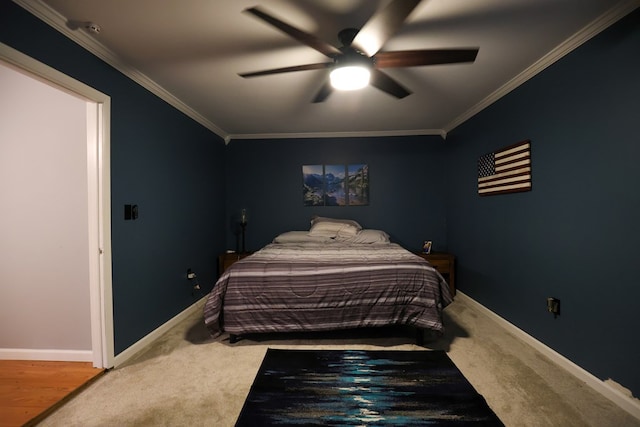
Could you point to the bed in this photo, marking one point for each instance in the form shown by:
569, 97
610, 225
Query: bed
334, 276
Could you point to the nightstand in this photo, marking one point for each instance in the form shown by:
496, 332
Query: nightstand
227, 259
445, 264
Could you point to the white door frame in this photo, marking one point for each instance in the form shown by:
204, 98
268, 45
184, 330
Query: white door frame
99, 197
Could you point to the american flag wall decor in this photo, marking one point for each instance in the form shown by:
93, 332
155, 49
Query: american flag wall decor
505, 171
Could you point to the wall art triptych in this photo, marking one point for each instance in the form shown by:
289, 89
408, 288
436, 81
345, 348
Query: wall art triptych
335, 185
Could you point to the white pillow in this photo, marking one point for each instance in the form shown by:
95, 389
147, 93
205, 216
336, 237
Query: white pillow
300, 237
318, 219
367, 236
348, 231
333, 229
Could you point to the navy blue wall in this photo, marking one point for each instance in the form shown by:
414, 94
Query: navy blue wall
575, 235
407, 190
167, 164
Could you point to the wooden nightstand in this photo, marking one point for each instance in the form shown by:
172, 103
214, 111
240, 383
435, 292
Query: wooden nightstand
225, 260
445, 264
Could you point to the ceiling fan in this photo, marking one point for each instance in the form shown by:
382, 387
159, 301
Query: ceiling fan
360, 52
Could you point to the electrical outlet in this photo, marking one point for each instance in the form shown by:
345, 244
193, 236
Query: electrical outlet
553, 306
196, 290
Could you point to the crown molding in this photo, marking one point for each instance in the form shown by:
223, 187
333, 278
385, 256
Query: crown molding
88, 42
591, 30
353, 134
84, 39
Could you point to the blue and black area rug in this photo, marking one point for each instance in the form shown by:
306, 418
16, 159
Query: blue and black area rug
363, 388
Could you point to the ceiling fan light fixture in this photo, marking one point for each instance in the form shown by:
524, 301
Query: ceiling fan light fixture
350, 77
359, 59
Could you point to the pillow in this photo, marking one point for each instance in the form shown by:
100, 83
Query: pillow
318, 219
368, 236
300, 237
332, 227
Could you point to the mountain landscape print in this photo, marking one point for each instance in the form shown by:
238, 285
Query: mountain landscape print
358, 185
313, 185
335, 185
334, 181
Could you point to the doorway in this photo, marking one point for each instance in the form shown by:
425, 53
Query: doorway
57, 248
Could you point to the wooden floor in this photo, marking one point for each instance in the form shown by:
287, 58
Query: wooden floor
30, 389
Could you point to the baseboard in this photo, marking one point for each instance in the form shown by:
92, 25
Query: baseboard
46, 354
628, 403
87, 355
156, 333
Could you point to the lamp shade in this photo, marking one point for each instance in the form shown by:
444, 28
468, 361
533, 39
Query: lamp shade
350, 77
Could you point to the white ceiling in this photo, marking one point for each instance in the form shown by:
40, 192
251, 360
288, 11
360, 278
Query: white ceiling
190, 52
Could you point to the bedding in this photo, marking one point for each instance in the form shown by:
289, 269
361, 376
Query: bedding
300, 237
365, 236
299, 283
329, 227
315, 220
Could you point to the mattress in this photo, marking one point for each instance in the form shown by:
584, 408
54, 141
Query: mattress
320, 286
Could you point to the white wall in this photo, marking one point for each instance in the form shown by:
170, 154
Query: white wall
44, 255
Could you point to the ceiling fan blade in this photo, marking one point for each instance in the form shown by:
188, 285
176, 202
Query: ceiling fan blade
412, 58
303, 37
318, 66
387, 84
323, 93
383, 25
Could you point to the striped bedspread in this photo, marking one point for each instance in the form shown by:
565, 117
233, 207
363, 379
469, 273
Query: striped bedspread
319, 287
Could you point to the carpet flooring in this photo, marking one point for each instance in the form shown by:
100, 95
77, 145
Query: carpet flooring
186, 378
